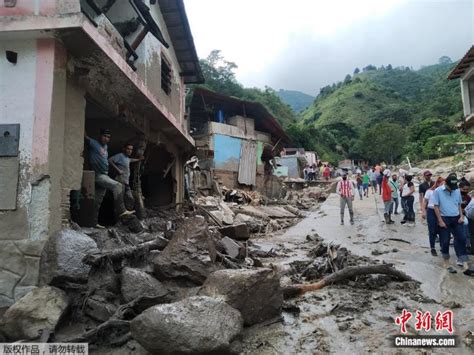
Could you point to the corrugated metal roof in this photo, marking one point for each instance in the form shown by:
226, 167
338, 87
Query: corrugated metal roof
204, 99
248, 163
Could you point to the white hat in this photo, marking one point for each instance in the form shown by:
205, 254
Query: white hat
387, 172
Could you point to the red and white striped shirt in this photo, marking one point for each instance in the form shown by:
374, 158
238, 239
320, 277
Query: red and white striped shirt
344, 188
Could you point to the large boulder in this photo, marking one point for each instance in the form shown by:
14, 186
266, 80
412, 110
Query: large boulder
37, 310
188, 255
192, 326
62, 257
136, 283
255, 293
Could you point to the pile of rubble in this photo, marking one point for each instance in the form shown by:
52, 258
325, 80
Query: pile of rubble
182, 282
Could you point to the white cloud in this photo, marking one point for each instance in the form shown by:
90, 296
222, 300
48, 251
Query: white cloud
262, 36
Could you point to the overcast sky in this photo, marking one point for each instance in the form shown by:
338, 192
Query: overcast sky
307, 44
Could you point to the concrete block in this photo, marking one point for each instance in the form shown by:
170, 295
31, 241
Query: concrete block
232, 248
237, 232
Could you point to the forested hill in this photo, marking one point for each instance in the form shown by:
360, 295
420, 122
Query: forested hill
414, 111
297, 100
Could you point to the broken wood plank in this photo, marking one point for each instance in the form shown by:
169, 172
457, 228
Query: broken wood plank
344, 274
117, 254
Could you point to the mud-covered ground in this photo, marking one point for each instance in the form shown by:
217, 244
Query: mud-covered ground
358, 316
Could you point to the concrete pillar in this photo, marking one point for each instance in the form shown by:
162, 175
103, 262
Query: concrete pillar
37, 103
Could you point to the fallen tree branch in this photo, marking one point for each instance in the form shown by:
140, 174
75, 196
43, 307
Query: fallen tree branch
116, 327
344, 274
117, 254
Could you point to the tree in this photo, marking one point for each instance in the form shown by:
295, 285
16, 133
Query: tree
389, 67
382, 142
444, 60
347, 79
219, 74
356, 71
369, 67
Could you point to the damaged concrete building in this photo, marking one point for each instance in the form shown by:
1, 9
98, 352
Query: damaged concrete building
71, 67
464, 71
236, 141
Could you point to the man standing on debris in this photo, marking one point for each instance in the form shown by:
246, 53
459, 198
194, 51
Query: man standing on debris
447, 205
121, 163
98, 154
345, 190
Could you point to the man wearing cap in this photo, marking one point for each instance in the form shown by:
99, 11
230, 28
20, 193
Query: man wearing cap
345, 190
447, 205
425, 186
98, 160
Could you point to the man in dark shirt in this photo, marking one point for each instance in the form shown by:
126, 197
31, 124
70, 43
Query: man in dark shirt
425, 186
98, 160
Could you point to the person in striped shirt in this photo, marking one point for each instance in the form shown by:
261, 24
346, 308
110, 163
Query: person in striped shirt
345, 190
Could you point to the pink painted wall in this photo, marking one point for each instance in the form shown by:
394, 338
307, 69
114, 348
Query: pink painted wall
30, 7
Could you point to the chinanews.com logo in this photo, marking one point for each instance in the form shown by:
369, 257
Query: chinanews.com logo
424, 322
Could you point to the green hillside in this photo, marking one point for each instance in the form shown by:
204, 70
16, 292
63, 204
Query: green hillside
354, 113
297, 100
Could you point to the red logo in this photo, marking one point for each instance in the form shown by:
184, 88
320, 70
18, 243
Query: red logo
402, 320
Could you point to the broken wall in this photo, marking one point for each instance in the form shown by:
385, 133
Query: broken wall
150, 53
50, 135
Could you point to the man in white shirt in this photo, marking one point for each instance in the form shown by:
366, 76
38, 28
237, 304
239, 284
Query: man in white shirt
345, 190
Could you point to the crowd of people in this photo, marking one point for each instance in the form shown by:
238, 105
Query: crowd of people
317, 171
445, 205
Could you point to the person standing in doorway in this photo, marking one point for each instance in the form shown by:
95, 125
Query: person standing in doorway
408, 200
396, 190
98, 160
121, 163
345, 190
428, 213
447, 205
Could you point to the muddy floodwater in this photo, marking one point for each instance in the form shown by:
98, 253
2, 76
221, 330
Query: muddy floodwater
358, 317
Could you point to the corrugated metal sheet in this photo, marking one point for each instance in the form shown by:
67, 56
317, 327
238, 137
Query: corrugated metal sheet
248, 163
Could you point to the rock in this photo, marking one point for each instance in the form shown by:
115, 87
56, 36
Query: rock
232, 248
103, 280
136, 283
39, 309
470, 177
194, 325
243, 218
62, 257
188, 255
98, 308
237, 231
218, 215
255, 293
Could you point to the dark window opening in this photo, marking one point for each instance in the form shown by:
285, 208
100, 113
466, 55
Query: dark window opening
165, 76
12, 57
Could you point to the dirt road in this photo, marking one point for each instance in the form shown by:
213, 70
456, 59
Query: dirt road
353, 318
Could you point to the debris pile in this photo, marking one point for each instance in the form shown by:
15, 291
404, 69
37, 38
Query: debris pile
185, 281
